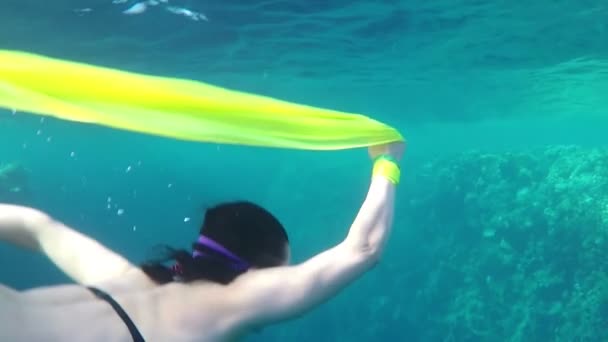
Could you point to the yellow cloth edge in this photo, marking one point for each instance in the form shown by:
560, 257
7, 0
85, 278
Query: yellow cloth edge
176, 108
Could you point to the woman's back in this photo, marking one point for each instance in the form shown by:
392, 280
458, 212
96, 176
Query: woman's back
74, 313
59, 313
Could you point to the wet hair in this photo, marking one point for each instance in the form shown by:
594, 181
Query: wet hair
245, 229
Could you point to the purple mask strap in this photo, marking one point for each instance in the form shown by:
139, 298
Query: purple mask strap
239, 263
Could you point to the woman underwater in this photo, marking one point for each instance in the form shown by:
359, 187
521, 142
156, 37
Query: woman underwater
236, 279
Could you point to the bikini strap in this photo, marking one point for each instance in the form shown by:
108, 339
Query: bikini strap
137, 337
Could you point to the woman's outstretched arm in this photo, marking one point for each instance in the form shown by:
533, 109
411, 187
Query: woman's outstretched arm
270, 295
83, 259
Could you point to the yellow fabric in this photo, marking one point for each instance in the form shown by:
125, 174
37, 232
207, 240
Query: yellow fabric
176, 108
388, 169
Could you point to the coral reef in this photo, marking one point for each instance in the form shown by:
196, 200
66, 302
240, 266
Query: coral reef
521, 238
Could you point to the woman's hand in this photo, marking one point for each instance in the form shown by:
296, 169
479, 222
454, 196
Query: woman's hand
395, 150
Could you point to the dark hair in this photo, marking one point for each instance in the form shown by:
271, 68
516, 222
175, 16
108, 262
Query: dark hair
244, 228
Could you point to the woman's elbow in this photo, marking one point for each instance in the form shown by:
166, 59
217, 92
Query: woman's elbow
369, 257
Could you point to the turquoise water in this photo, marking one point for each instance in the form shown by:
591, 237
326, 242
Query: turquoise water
499, 227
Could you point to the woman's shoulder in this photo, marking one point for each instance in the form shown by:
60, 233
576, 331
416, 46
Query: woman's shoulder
134, 280
53, 295
131, 282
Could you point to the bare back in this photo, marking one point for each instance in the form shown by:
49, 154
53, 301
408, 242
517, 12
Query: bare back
72, 312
